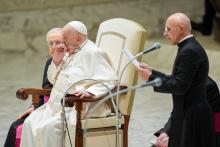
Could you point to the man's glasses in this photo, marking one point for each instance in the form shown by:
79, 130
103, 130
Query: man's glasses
169, 29
52, 43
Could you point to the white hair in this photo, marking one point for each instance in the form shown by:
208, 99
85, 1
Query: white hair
54, 31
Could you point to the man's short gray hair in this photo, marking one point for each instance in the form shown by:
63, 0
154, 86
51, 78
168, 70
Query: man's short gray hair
53, 31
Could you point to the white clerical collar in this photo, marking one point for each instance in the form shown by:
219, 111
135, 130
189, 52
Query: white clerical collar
84, 42
188, 36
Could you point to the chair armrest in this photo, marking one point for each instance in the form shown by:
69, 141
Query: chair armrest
71, 98
23, 94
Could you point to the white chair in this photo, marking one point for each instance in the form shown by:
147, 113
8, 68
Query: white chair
113, 36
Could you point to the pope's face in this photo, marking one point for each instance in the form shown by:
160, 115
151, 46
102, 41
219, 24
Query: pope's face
70, 39
54, 40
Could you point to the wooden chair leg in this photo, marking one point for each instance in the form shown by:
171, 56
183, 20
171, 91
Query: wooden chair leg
78, 133
125, 131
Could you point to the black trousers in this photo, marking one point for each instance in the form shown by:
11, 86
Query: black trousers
209, 15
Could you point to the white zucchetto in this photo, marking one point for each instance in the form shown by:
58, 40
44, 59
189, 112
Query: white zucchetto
78, 26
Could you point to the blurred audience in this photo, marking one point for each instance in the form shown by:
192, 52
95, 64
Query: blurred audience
206, 25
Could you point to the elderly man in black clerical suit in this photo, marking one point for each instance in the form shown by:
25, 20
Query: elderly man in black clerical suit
191, 120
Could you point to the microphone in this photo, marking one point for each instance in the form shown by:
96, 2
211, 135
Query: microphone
157, 82
155, 46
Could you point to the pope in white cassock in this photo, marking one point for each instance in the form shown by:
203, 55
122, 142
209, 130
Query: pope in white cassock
83, 60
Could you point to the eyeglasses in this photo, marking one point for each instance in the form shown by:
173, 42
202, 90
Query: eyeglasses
169, 29
51, 43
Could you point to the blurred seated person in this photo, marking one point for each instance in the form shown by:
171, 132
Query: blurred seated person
205, 27
213, 97
54, 37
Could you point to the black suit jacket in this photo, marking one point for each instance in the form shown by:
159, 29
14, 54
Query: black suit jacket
187, 84
46, 84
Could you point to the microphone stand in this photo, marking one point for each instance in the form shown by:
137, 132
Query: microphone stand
117, 97
156, 82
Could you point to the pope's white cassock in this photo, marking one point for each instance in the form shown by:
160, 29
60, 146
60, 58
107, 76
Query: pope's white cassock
43, 127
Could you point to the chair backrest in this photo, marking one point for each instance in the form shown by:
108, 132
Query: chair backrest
113, 36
